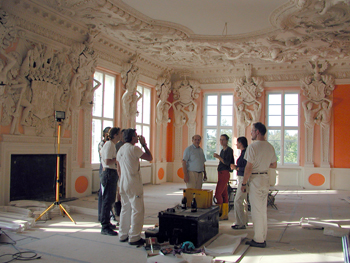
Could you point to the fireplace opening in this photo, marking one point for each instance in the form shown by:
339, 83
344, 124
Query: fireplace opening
33, 177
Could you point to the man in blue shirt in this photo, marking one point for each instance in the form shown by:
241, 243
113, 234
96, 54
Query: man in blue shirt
193, 164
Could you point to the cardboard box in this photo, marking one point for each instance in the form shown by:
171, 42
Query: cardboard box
204, 197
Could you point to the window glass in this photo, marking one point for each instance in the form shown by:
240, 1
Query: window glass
210, 137
290, 146
217, 122
108, 102
102, 111
283, 119
143, 119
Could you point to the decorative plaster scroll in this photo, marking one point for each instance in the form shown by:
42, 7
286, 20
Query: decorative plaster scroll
301, 29
7, 30
130, 77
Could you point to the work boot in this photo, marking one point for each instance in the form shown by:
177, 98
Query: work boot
224, 215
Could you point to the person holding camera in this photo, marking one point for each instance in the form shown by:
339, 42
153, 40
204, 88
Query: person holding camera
131, 187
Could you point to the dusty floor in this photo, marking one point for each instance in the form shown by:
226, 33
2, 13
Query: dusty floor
59, 240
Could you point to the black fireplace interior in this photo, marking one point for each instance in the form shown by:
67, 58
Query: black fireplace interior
33, 177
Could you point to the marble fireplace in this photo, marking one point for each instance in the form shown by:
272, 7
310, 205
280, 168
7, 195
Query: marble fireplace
14, 146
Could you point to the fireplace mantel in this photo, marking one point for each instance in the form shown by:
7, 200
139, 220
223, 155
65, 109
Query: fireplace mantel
15, 144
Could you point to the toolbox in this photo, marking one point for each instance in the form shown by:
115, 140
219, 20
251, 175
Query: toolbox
204, 197
178, 225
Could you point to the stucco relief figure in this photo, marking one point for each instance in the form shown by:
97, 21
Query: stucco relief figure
163, 105
323, 116
5, 67
256, 112
180, 118
81, 83
136, 96
19, 88
162, 111
243, 119
191, 113
90, 90
309, 113
130, 76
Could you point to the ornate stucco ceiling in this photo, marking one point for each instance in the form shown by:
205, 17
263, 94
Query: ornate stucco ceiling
222, 34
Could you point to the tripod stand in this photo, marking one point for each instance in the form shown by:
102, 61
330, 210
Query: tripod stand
57, 202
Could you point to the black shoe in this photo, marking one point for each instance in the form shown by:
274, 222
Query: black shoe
124, 240
139, 242
238, 227
113, 227
108, 232
252, 243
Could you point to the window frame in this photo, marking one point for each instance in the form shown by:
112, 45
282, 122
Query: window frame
101, 118
283, 127
217, 127
142, 124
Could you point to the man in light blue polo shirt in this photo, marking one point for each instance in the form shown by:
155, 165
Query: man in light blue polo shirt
193, 164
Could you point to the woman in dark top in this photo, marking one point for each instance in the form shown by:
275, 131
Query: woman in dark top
224, 169
240, 203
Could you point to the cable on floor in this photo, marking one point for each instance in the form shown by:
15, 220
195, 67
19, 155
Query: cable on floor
20, 255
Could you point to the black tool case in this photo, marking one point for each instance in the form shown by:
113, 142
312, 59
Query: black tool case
184, 225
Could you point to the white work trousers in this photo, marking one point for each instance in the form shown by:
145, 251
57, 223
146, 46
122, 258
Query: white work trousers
258, 191
240, 204
132, 214
195, 180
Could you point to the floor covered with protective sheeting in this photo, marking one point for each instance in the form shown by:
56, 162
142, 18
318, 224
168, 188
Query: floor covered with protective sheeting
297, 230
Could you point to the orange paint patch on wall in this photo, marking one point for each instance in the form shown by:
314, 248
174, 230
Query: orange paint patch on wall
180, 173
161, 173
170, 133
341, 108
81, 184
316, 179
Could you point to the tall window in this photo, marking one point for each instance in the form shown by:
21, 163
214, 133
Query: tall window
283, 126
102, 111
218, 119
143, 118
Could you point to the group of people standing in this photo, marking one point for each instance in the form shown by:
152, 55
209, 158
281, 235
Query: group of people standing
252, 173
120, 163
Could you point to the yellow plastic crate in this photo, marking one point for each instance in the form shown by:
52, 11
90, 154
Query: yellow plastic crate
204, 197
